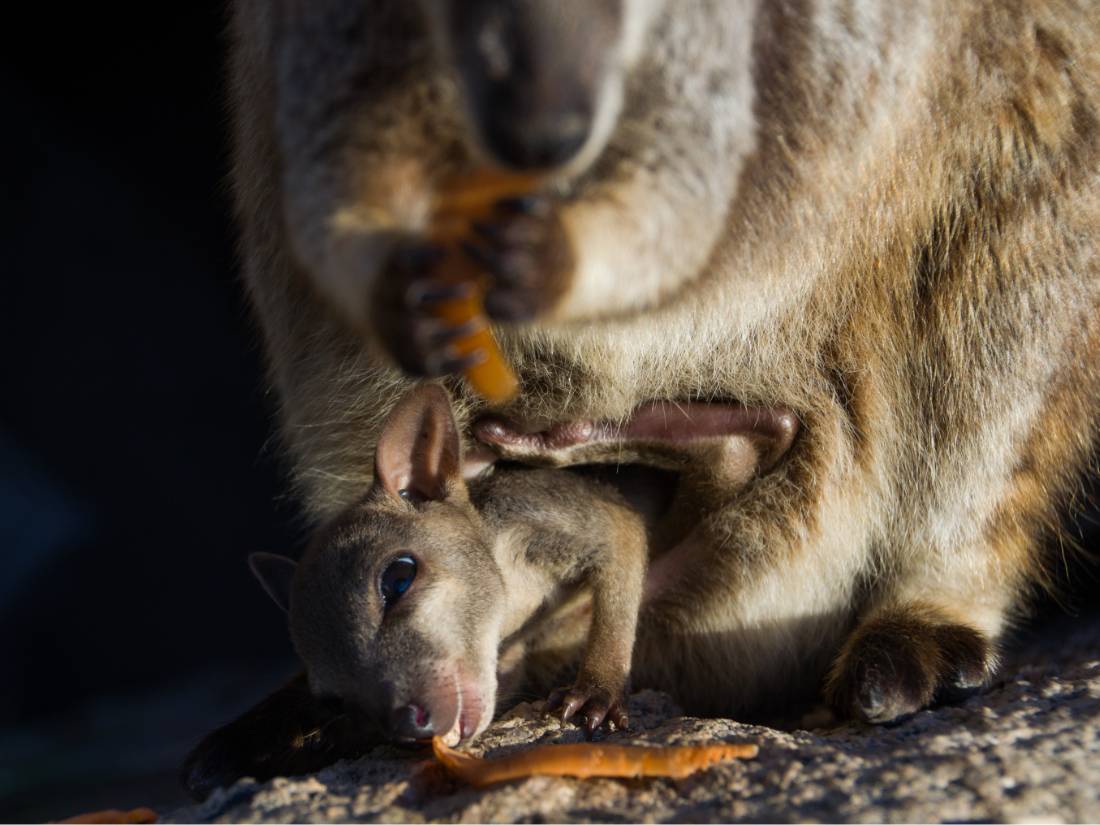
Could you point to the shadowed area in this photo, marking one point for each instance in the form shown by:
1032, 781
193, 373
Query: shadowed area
136, 475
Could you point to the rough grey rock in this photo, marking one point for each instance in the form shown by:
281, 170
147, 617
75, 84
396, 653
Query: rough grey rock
1027, 749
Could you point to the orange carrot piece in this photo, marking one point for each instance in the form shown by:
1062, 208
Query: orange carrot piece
588, 759
137, 815
458, 204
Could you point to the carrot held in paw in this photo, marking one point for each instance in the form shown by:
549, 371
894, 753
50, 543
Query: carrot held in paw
459, 203
587, 759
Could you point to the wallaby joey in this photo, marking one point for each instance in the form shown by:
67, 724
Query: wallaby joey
399, 606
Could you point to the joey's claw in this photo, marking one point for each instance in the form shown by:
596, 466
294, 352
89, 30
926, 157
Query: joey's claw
569, 707
554, 701
593, 718
618, 717
595, 705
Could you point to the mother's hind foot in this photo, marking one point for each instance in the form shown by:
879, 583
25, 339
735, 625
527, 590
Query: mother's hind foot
904, 659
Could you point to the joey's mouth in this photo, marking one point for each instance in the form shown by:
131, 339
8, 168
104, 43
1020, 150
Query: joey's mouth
466, 710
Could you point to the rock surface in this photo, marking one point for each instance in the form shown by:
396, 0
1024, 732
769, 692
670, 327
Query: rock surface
1027, 749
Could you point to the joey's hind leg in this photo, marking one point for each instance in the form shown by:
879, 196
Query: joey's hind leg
903, 658
290, 732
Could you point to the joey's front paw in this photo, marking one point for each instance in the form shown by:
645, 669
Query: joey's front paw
524, 248
903, 661
405, 313
595, 704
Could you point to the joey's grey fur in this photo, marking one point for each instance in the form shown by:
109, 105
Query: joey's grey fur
487, 558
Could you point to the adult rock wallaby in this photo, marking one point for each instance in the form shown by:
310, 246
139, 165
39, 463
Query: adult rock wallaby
878, 220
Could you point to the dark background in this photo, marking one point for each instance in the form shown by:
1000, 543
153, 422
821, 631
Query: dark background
135, 469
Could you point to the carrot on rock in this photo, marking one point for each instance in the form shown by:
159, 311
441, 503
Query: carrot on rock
589, 759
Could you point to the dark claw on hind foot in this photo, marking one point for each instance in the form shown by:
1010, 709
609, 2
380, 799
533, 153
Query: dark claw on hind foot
290, 732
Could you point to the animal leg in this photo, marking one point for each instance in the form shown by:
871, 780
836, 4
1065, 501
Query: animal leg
290, 732
905, 657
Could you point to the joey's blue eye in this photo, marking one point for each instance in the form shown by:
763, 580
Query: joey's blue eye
396, 579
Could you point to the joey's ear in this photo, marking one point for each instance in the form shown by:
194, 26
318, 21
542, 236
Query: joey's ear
419, 450
275, 574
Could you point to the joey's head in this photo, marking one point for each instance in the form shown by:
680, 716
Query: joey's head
395, 608
542, 80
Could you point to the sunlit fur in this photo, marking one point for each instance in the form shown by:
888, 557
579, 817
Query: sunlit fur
883, 215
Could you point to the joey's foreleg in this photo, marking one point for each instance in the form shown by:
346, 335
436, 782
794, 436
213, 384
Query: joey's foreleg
616, 578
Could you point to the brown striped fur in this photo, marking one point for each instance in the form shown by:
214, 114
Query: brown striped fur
884, 216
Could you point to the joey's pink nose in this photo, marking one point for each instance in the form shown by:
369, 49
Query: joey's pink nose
411, 722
